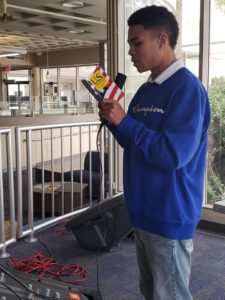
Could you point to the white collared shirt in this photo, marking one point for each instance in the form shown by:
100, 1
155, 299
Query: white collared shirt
178, 64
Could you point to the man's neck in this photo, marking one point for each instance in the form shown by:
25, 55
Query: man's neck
155, 72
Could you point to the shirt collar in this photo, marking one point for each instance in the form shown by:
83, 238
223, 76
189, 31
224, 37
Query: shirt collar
178, 64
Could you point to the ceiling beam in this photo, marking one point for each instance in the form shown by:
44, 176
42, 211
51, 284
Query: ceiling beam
38, 11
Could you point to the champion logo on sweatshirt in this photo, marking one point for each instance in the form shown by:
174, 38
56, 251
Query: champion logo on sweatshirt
152, 108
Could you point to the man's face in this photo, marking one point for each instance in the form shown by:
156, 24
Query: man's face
144, 48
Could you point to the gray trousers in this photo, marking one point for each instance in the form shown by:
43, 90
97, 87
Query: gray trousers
164, 266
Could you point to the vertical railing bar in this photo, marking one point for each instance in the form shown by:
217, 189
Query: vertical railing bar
71, 167
90, 170
2, 231
102, 187
81, 172
117, 168
30, 187
110, 166
52, 175
42, 179
8, 151
62, 172
19, 184
11, 185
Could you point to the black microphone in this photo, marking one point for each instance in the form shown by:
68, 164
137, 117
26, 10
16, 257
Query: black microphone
120, 80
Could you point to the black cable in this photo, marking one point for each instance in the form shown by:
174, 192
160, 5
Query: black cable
46, 248
97, 274
11, 290
98, 150
24, 285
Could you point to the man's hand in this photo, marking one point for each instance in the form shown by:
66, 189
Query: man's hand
111, 111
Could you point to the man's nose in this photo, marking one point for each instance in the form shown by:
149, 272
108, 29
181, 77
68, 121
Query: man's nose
131, 50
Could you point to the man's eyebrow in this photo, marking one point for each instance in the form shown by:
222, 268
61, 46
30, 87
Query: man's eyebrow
132, 39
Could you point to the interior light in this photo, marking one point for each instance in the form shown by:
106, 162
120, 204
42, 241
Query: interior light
9, 54
76, 31
13, 50
73, 4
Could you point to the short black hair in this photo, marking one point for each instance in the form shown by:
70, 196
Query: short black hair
157, 17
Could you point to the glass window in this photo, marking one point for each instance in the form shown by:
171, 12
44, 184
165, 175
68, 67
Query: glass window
216, 152
16, 91
86, 102
63, 91
134, 79
50, 100
188, 16
49, 75
18, 75
68, 86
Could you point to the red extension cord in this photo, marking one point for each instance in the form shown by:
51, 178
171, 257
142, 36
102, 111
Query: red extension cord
49, 267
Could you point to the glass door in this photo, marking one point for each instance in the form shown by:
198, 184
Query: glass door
18, 95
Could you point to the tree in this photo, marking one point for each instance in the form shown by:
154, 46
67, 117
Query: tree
216, 153
220, 4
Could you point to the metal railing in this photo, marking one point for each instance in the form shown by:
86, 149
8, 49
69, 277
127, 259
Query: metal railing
55, 139
44, 155
7, 224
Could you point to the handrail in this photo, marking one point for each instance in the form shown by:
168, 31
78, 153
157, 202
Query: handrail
37, 146
82, 144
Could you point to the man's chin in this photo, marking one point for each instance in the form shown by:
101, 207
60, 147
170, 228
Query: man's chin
140, 69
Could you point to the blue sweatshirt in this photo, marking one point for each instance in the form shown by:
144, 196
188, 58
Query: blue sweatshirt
164, 136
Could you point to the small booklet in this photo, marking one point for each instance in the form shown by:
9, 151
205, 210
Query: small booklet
100, 85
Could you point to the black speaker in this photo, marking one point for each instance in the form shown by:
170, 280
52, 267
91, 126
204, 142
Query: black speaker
101, 226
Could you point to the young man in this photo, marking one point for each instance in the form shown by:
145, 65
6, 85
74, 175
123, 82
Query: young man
164, 136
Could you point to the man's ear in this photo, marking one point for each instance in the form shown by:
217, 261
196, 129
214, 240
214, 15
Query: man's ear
162, 39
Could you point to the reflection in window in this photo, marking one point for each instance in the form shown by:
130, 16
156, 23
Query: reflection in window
17, 91
49, 75
68, 85
86, 102
216, 153
63, 91
18, 75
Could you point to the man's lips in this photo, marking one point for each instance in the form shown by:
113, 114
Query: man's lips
135, 62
